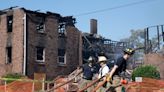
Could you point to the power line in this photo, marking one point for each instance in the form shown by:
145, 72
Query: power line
113, 8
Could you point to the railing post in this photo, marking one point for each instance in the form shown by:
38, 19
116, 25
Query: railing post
5, 86
43, 85
48, 86
33, 86
54, 87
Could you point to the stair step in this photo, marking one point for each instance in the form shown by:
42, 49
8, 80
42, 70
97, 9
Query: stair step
73, 87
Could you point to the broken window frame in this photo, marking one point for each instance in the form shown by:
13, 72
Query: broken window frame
40, 25
62, 56
40, 55
10, 23
8, 55
62, 29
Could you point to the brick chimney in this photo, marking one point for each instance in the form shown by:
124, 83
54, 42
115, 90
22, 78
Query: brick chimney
93, 26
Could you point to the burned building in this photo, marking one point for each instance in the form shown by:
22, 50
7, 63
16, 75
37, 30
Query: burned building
35, 42
94, 44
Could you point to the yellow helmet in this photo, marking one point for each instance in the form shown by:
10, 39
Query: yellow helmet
129, 51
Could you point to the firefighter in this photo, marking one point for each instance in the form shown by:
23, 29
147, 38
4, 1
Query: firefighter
102, 72
88, 71
120, 66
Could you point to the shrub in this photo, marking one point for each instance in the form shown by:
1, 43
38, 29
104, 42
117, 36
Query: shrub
12, 77
146, 71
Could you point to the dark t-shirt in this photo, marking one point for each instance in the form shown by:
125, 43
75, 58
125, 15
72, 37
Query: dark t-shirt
87, 72
121, 63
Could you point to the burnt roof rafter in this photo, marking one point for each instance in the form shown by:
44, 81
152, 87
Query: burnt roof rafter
4, 11
68, 20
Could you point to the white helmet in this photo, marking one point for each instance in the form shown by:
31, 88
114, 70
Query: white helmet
102, 59
90, 58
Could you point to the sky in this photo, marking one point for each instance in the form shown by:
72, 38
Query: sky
115, 18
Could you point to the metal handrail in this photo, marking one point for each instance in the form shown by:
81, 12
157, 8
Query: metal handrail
98, 86
90, 84
64, 83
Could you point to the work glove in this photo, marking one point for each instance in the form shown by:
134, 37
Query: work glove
108, 78
124, 81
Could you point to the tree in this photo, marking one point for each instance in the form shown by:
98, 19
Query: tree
136, 38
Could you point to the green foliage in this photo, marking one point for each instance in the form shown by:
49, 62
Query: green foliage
146, 71
11, 77
136, 38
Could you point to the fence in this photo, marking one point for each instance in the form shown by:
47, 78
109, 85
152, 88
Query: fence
23, 85
29, 85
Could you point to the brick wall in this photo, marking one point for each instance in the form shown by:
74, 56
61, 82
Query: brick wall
3, 41
48, 40
72, 49
156, 60
17, 41
13, 39
72, 52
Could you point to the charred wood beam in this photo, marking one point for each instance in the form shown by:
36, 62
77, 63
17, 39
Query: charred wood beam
68, 20
10, 8
158, 37
162, 32
2, 12
146, 33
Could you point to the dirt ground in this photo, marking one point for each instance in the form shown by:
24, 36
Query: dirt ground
147, 85
17, 86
